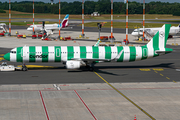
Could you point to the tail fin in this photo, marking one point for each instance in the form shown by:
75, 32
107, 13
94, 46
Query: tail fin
160, 39
64, 23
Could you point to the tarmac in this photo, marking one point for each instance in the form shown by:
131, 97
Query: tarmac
147, 89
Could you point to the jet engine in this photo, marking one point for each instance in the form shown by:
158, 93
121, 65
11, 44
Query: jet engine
73, 64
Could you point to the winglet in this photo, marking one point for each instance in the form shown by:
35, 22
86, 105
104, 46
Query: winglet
97, 43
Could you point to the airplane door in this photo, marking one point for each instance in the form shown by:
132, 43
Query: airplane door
58, 54
144, 52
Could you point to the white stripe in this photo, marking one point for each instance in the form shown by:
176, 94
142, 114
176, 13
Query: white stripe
138, 53
161, 40
114, 52
13, 55
25, 54
101, 52
126, 53
64, 53
89, 52
150, 49
76, 52
51, 54
38, 52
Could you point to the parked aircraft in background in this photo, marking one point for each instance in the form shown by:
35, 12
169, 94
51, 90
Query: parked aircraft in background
76, 56
49, 28
152, 31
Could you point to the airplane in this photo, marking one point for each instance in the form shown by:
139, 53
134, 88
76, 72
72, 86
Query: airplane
152, 31
49, 28
76, 56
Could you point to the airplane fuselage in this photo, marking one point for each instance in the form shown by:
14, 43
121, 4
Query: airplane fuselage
38, 28
153, 31
65, 53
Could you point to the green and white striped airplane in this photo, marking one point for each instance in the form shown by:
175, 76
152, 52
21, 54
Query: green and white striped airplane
76, 56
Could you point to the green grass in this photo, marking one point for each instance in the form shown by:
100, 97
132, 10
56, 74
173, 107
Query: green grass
16, 14
123, 25
25, 23
165, 20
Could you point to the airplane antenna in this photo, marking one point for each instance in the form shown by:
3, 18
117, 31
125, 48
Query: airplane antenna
10, 17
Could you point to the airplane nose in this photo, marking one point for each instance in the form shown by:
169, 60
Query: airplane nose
7, 56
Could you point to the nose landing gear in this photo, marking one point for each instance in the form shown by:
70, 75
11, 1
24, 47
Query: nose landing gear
24, 68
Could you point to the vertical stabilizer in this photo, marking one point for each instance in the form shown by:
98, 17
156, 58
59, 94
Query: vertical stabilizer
160, 39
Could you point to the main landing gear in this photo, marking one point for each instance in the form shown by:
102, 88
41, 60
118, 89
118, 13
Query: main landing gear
24, 68
90, 67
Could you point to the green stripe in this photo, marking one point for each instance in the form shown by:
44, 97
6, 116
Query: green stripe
144, 52
132, 53
156, 40
107, 52
57, 54
19, 57
95, 51
82, 51
32, 51
70, 53
167, 29
45, 53
7, 56
119, 49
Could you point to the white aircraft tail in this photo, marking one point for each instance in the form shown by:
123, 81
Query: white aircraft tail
159, 40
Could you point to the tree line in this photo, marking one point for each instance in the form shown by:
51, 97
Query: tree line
101, 6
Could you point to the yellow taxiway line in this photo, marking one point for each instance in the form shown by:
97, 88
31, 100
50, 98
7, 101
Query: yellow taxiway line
125, 97
36, 66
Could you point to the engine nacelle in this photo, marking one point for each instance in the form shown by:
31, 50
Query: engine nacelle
73, 64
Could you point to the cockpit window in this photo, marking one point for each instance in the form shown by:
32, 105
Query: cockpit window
13, 52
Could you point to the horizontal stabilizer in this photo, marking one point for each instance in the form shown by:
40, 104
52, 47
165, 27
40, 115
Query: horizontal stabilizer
162, 52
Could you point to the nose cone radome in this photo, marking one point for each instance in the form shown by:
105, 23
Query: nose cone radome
7, 56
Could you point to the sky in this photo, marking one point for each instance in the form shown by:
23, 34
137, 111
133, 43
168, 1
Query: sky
55, 1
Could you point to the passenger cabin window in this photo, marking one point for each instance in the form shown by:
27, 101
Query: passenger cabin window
13, 52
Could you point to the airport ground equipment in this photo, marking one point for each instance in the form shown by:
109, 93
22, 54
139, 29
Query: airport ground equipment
5, 67
1, 34
4, 28
76, 56
34, 36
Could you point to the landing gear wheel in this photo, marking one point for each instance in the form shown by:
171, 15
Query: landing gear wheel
24, 68
91, 68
